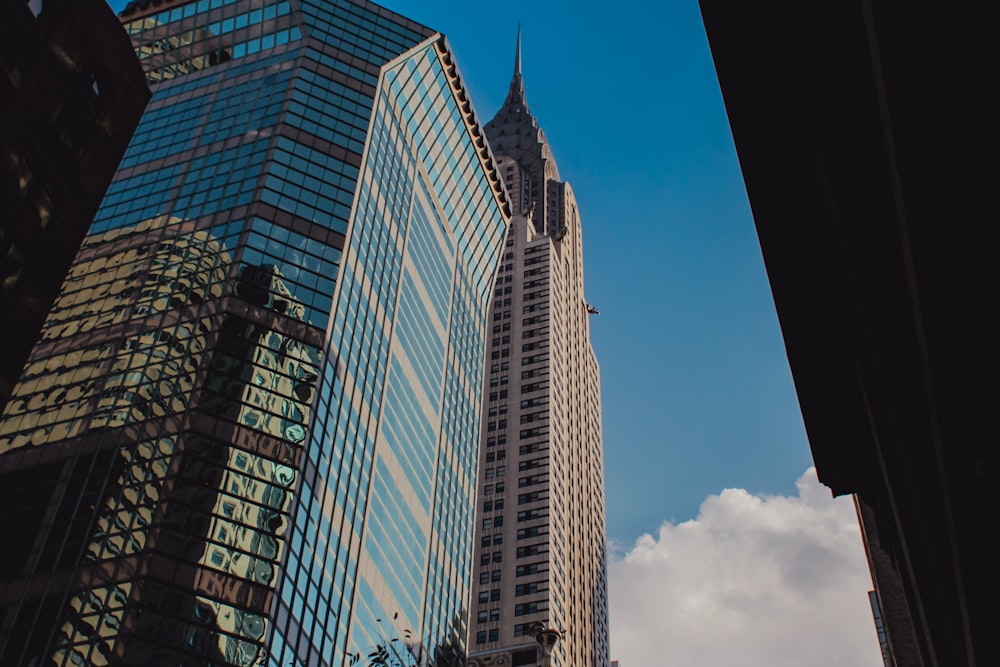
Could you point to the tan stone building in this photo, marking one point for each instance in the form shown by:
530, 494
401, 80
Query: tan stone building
540, 535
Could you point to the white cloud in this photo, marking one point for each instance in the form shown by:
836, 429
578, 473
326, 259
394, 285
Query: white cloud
753, 581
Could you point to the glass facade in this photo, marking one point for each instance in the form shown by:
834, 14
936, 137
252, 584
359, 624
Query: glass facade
249, 433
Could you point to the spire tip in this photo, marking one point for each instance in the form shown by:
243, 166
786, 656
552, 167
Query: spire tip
517, 52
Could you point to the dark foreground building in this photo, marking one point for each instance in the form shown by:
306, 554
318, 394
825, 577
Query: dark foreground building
248, 435
864, 133
71, 93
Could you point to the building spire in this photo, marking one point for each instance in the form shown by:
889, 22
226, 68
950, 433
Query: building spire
515, 97
517, 54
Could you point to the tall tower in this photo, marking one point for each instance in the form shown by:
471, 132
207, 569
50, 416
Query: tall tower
540, 536
249, 433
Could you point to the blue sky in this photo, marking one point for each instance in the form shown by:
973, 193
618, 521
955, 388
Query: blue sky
696, 388
725, 548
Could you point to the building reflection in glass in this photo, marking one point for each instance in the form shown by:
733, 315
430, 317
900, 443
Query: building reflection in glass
184, 537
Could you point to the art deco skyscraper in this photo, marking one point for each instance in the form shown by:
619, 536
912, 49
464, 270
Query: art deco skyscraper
249, 433
541, 531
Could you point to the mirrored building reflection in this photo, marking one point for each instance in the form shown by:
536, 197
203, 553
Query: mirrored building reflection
248, 435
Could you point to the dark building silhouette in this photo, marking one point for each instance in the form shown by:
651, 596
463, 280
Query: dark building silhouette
71, 94
863, 134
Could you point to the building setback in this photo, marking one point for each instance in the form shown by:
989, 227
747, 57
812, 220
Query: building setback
71, 94
540, 533
248, 435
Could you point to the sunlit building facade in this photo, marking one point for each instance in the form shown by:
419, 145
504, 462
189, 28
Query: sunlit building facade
249, 433
540, 536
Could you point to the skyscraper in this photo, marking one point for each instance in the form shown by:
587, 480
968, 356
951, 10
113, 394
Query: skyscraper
248, 434
541, 531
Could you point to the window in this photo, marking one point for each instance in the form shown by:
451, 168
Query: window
498, 556
525, 498
530, 480
495, 575
484, 596
530, 550
520, 589
525, 570
494, 614
495, 595
497, 539
529, 515
495, 635
487, 524
526, 608
524, 533
497, 522
523, 630
484, 577
481, 637
484, 559
482, 616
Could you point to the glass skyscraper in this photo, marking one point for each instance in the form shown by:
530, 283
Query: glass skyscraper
249, 433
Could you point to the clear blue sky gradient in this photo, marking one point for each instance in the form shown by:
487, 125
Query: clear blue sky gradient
696, 388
